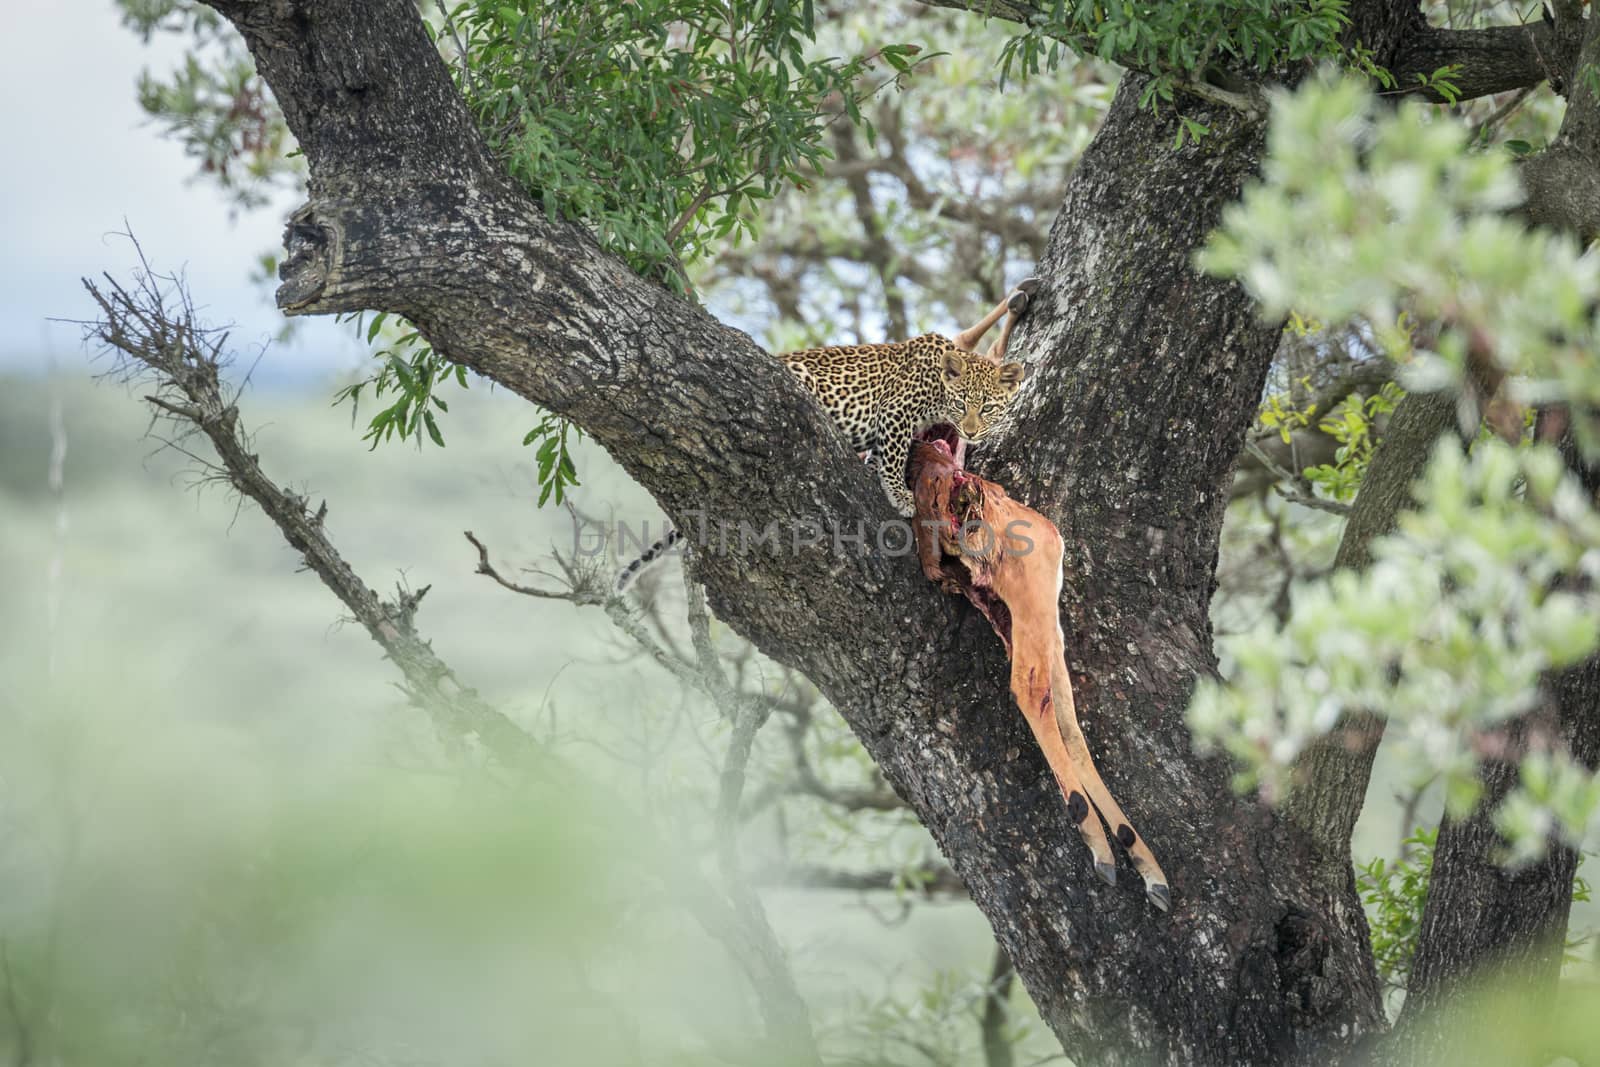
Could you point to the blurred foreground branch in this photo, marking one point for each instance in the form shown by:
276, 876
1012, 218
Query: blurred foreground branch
149, 327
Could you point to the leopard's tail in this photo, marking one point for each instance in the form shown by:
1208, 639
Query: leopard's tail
653, 554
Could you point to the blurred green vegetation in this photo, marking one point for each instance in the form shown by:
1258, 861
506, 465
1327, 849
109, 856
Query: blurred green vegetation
225, 838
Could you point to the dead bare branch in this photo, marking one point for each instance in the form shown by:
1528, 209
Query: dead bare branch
150, 328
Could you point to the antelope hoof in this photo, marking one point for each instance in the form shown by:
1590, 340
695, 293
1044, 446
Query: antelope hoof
1017, 302
1107, 872
1160, 896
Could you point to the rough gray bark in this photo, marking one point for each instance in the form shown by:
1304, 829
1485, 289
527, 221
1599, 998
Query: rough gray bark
1493, 60
1148, 378
1563, 182
1154, 375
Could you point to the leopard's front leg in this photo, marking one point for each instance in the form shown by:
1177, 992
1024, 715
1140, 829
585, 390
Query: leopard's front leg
894, 451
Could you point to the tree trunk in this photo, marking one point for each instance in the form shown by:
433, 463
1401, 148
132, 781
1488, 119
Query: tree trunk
1148, 377
1331, 776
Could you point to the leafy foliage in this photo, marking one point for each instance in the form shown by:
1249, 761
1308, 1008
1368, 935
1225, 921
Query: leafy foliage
410, 368
1443, 82
1352, 423
661, 125
1489, 584
555, 437
1557, 797
1395, 892
215, 104
1179, 43
658, 123
1448, 632
1279, 413
1345, 185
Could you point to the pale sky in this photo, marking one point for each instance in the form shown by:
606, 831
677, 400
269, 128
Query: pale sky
81, 160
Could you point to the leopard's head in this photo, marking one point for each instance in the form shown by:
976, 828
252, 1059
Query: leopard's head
978, 392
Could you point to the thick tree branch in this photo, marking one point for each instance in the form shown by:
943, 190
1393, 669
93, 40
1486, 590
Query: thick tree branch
535, 305
1562, 183
1493, 60
1132, 465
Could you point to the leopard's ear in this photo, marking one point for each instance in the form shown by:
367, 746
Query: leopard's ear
955, 365
1012, 374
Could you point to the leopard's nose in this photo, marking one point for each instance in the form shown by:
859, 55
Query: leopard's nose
971, 426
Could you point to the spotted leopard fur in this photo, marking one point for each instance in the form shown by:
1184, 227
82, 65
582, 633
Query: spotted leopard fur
657, 550
882, 395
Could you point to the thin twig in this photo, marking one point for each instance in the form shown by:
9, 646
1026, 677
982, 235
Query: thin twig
683, 220
1294, 496
455, 36
1316, 503
1501, 113
997, 1051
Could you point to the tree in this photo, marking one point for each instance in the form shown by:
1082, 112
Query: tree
1149, 375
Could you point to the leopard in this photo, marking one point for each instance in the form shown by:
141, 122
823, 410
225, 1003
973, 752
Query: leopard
881, 395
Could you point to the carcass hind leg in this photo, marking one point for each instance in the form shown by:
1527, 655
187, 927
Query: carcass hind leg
1144, 861
1033, 697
